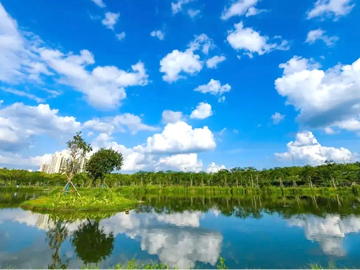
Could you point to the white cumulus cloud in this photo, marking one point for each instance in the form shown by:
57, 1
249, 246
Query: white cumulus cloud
319, 34
329, 98
158, 33
214, 61
176, 7
308, 150
238, 8
110, 20
214, 168
331, 8
19, 123
181, 162
214, 87
118, 123
176, 63
202, 111
193, 12
180, 137
277, 118
121, 36
250, 41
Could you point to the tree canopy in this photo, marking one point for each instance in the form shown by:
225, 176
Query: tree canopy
102, 163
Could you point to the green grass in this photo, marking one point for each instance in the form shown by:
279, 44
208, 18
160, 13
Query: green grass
238, 191
90, 200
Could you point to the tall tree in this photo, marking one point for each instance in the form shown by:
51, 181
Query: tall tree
77, 148
102, 163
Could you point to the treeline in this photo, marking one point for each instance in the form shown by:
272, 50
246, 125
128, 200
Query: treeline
328, 175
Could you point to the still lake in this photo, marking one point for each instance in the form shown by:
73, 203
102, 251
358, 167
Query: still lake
187, 233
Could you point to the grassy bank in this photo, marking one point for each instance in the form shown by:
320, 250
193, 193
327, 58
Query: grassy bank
240, 191
90, 200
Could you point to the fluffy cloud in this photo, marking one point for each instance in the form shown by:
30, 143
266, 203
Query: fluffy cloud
202, 111
99, 3
159, 34
20, 122
324, 98
331, 8
328, 231
118, 123
308, 150
180, 162
250, 41
103, 86
277, 118
193, 12
135, 158
239, 8
319, 34
18, 58
213, 168
169, 116
24, 162
177, 62
24, 57
121, 36
110, 20
181, 138
178, 6
175, 148
214, 61
214, 87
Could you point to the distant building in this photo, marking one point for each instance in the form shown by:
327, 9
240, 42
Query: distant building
58, 160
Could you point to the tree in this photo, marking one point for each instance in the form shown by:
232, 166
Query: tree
102, 163
77, 149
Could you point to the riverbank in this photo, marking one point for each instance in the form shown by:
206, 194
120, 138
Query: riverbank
90, 200
237, 191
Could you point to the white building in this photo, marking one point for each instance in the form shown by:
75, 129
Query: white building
58, 160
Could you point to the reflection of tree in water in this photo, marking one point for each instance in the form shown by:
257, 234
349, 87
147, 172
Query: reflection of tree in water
56, 236
91, 243
253, 206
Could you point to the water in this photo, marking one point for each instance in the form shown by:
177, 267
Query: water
189, 232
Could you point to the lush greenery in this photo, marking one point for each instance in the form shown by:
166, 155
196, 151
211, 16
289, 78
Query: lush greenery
103, 162
328, 175
91, 200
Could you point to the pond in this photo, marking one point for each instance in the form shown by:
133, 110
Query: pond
188, 232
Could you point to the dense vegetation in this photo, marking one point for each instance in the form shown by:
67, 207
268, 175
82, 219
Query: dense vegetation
91, 200
328, 175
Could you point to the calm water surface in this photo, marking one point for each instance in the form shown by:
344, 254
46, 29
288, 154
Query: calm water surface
187, 232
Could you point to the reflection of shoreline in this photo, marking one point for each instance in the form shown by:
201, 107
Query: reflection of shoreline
177, 239
329, 232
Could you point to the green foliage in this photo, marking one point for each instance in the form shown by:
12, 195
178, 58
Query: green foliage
102, 163
330, 176
221, 264
91, 243
78, 149
92, 200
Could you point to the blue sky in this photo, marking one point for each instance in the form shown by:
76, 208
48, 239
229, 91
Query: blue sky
182, 85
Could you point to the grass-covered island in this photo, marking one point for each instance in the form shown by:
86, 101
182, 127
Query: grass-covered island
90, 200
